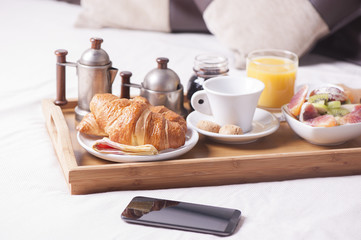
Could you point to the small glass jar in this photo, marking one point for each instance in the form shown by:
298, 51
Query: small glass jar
206, 66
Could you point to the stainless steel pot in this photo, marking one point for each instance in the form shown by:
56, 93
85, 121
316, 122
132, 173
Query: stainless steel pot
161, 86
95, 75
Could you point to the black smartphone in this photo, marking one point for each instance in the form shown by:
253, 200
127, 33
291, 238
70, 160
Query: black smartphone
182, 215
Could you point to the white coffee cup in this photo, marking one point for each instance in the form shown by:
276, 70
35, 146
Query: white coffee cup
230, 100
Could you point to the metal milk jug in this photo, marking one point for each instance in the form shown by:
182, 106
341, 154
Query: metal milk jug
161, 86
95, 75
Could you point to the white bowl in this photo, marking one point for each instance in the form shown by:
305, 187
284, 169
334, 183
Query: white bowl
327, 136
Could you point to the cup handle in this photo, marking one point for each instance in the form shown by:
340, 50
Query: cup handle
200, 102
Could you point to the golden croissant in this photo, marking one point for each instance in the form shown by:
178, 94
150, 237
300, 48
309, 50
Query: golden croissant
134, 122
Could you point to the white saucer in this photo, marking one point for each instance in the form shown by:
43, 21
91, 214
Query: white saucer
264, 123
87, 143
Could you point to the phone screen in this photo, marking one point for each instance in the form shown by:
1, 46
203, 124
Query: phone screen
182, 215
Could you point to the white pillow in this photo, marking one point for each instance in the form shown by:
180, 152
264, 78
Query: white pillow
246, 25
128, 14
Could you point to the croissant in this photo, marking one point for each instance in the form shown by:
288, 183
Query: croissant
134, 122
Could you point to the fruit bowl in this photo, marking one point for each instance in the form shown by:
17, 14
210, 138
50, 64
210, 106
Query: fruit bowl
327, 136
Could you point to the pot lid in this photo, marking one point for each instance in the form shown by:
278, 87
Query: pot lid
95, 56
162, 78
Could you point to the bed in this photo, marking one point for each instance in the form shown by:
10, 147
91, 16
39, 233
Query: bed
35, 199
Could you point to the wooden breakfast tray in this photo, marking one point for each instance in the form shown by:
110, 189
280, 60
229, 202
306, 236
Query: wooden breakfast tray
280, 156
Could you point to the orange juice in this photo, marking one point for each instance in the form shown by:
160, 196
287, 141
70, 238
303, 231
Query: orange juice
278, 74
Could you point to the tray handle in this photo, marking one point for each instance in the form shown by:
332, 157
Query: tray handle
59, 134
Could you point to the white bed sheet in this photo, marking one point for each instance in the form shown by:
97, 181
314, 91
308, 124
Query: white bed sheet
35, 201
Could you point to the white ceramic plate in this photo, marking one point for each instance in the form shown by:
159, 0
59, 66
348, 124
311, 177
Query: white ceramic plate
327, 136
264, 123
87, 143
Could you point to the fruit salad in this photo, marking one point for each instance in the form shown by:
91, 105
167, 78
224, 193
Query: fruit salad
324, 107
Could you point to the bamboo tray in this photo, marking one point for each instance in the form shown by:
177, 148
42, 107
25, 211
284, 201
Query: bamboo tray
280, 156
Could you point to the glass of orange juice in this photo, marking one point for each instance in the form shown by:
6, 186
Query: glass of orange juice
277, 70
